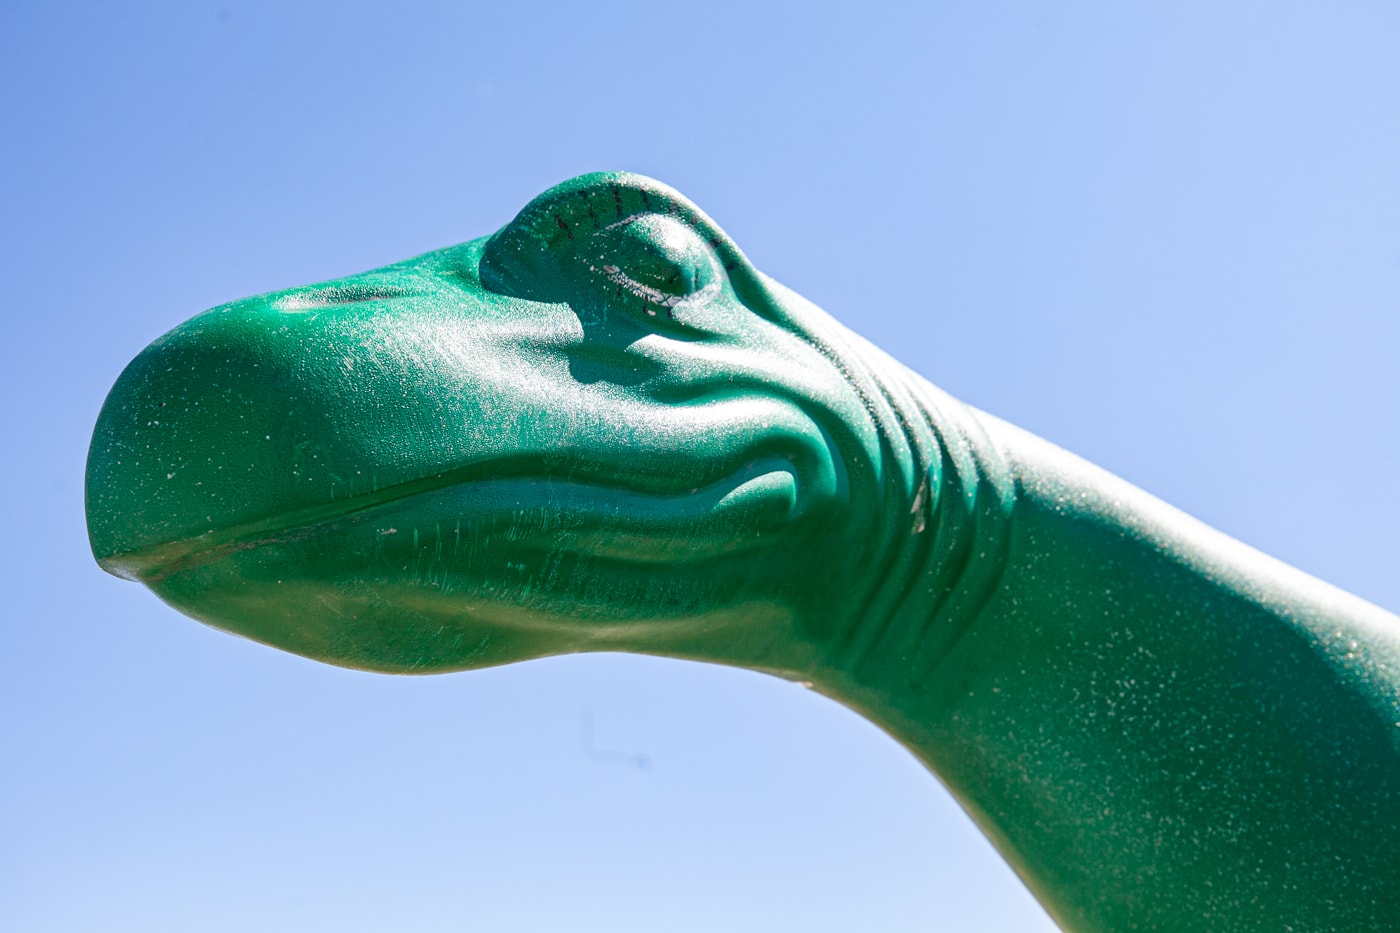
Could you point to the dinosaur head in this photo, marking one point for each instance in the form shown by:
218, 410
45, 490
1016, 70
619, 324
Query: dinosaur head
599, 428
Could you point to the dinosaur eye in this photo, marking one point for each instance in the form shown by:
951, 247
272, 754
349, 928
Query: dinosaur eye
654, 261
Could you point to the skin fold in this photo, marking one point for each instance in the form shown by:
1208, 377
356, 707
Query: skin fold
602, 429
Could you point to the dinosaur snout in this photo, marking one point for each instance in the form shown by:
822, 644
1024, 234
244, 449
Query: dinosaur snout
192, 440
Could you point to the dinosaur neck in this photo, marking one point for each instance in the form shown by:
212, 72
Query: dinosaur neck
939, 502
1148, 719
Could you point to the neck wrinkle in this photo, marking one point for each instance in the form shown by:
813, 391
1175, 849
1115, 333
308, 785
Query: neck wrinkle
973, 534
944, 532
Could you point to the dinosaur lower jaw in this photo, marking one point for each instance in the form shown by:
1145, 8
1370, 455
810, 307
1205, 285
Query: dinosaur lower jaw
518, 515
493, 571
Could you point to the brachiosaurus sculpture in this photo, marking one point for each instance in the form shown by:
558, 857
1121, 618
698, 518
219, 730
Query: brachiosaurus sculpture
602, 429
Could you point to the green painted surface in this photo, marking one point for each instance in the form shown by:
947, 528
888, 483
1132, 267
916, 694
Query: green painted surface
602, 429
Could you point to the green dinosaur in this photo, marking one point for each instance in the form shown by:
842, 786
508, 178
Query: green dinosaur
603, 429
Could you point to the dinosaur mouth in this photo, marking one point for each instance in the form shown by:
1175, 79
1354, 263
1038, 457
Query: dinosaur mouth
458, 517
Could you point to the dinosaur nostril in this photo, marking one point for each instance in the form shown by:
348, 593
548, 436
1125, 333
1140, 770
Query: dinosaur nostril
316, 299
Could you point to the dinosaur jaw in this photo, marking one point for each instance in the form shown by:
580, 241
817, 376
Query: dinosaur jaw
483, 571
604, 519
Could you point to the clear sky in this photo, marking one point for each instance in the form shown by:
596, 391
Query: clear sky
1165, 236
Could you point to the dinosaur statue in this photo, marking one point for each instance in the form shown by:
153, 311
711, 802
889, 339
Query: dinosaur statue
603, 429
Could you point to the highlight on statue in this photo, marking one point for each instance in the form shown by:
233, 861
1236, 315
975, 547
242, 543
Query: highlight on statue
601, 429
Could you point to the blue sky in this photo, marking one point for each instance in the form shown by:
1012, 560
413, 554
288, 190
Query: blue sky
1162, 236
